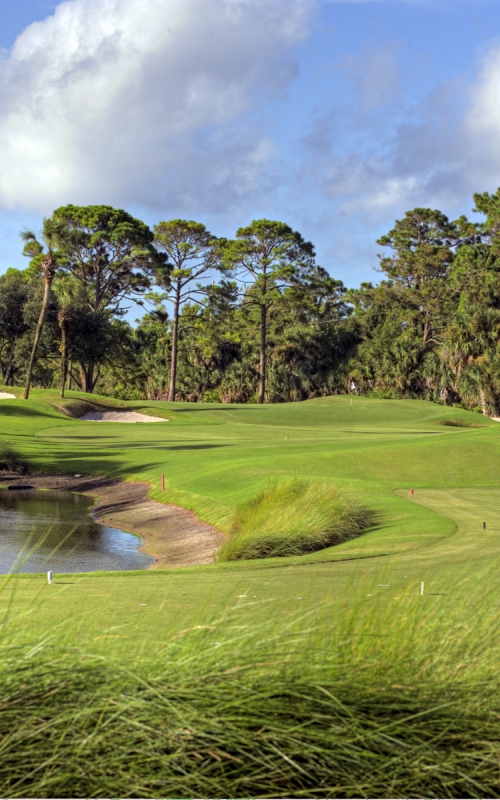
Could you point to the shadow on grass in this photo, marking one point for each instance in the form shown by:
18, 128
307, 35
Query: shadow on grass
16, 409
217, 409
147, 446
394, 433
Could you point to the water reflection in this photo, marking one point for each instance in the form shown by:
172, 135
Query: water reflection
67, 539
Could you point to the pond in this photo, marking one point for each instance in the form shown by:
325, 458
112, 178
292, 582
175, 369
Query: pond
59, 528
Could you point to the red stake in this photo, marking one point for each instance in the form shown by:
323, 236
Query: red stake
162, 482
412, 492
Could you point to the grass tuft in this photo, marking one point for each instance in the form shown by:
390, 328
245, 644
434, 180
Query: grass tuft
458, 423
10, 461
292, 518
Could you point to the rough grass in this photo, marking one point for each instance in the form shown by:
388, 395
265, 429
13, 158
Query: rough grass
292, 518
458, 423
373, 706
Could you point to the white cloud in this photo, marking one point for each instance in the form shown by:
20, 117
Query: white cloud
143, 101
431, 3
482, 122
374, 163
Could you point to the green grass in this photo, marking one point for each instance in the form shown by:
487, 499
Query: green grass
323, 674
294, 517
387, 699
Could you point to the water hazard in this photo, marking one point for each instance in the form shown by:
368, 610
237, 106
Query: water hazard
54, 530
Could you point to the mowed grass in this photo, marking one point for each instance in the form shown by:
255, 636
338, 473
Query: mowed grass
327, 674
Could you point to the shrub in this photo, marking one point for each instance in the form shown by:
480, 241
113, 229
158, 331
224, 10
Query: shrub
292, 518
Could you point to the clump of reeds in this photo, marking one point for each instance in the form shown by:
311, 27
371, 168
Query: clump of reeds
294, 517
10, 461
458, 423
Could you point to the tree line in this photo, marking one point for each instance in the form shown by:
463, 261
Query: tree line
254, 318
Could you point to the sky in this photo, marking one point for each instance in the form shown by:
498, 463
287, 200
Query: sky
335, 116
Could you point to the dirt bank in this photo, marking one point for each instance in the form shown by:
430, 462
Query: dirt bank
174, 536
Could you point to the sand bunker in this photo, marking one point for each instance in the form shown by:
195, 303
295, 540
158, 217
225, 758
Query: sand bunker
120, 416
6, 396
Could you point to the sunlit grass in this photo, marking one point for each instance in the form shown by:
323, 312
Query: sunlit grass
394, 700
327, 674
294, 517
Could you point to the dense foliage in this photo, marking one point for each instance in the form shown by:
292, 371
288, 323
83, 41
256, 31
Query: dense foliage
266, 322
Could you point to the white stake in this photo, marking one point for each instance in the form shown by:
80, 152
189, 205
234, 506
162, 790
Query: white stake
422, 588
49, 576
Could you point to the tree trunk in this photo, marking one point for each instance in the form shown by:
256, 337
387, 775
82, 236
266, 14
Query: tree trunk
9, 373
175, 337
262, 366
483, 402
64, 354
49, 276
69, 375
89, 378
427, 327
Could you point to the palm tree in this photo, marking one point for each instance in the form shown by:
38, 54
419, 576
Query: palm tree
63, 318
45, 255
69, 295
471, 345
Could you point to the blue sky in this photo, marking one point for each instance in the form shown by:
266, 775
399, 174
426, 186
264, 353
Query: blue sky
335, 117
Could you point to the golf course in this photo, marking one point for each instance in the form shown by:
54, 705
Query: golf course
366, 669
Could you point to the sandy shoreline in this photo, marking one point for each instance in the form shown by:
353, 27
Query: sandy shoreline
173, 536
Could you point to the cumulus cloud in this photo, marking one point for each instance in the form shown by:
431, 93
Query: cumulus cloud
482, 122
143, 101
435, 151
421, 3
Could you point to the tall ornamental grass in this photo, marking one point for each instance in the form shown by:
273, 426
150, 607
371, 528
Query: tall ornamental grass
9, 460
294, 517
394, 699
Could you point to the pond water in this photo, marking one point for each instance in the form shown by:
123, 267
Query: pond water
58, 527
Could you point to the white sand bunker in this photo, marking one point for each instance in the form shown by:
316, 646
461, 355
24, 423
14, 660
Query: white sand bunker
6, 396
120, 416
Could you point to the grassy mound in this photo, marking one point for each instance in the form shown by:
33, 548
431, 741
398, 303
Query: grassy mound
77, 407
9, 460
292, 518
458, 423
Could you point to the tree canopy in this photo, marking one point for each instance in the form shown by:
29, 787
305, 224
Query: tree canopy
255, 318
